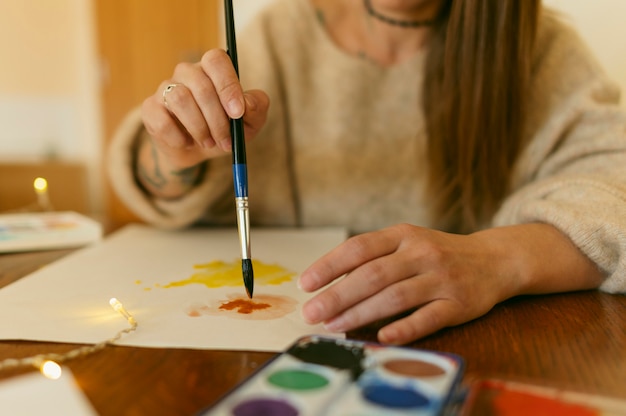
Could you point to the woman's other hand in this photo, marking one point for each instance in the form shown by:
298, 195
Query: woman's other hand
443, 279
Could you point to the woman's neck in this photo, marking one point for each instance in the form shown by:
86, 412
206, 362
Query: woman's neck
389, 45
357, 32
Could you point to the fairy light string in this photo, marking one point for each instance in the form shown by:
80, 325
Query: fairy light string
48, 363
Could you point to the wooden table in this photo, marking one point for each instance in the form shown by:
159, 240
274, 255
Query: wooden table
575, 341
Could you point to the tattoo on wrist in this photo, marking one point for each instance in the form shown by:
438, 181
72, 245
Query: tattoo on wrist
156, 179
320, 17
186, 177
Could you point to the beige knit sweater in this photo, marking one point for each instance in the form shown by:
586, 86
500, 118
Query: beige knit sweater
345, 139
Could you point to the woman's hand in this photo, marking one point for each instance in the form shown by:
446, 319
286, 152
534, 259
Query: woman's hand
189, 123
448, 279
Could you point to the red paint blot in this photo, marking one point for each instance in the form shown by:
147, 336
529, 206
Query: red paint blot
244, 306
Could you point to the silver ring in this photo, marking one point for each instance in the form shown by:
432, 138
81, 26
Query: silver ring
166, 91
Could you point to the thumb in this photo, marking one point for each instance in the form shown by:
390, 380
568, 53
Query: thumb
257, 106
256, 101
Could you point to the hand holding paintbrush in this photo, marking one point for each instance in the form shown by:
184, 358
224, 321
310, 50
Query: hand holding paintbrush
188, 123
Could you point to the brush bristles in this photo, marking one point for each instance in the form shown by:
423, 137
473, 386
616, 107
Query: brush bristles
248, 276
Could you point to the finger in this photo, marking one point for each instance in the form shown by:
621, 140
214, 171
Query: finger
219, 68
426, 320
257, 106
392, 300
362, 283
162, 125
214, 118
346, 257
181, 103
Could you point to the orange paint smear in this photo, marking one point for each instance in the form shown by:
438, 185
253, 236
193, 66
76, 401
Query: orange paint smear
515, 403
244, 306
263, 307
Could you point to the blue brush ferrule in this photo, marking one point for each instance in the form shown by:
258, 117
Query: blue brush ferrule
240, 176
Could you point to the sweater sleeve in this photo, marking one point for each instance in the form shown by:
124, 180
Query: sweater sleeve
168, 214
573, 172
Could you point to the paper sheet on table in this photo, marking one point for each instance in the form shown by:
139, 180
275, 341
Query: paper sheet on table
33, 394
68, 300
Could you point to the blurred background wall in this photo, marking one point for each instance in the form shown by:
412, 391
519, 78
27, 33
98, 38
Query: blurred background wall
55, 69
49, 95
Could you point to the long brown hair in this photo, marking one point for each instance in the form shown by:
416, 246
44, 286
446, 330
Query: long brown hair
475, 91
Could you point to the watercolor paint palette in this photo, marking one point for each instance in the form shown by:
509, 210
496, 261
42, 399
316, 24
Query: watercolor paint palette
323, 375
46, 230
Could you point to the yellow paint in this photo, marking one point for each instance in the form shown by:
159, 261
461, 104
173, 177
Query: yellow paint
219, 274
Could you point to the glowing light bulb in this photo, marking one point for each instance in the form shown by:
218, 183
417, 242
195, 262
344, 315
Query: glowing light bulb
51, 370
118, 307
40, 185
41, 189
116, 304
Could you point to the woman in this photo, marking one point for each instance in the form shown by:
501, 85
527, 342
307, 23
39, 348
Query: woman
474, 148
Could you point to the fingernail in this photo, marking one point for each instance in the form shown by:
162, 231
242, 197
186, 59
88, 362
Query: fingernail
251, 103
336, 325
387, 335
307, 281
208, 143
312, 312
235, 108
302, 286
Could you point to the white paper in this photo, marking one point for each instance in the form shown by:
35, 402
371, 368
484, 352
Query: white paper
33, 395
68, 301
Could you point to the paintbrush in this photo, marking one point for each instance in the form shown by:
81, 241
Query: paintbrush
240, 170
